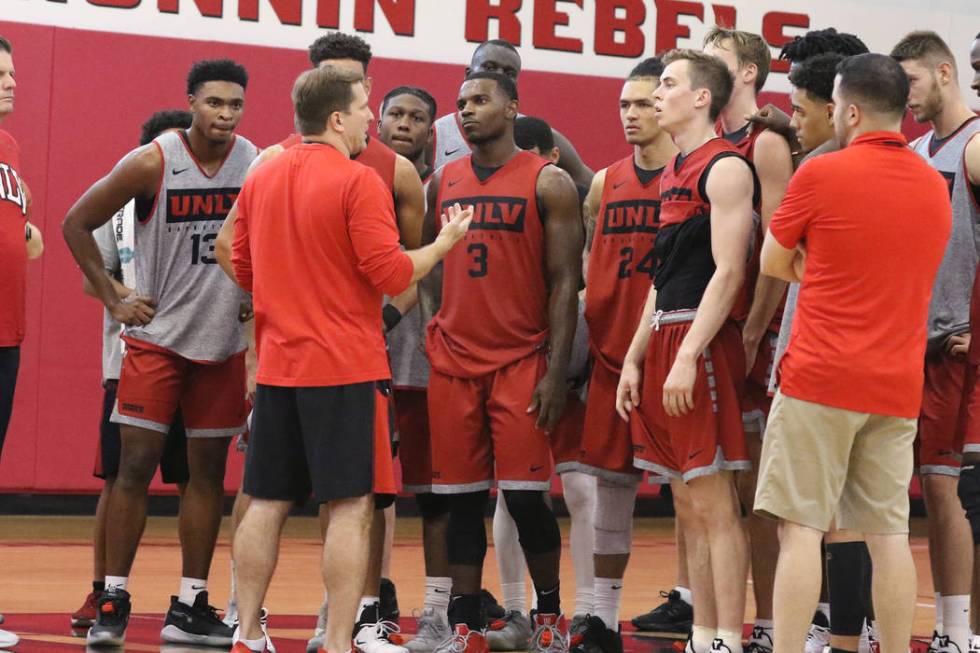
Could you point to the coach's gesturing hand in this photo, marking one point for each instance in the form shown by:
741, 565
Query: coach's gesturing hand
134, 310
455, 223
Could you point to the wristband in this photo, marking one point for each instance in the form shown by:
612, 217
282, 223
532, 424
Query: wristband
391, 316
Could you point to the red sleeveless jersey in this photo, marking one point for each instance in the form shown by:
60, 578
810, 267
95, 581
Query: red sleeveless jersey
494, 296
743, 139
683, 246
622, 261
13, 246
376, 155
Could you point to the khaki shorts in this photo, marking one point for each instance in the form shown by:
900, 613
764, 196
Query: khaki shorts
819, 461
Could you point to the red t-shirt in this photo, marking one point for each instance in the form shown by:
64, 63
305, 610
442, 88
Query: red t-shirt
13, 245
494, 298
316, 244
622, 260
376, 155
875, 218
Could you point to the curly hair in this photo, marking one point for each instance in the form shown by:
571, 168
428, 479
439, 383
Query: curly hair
338, 45
161, 121
215, 70
816, 75
820, 41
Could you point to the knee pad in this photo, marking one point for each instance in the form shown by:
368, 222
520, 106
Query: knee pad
466, 539
846, 574
382, 501
614, 517
432, 505
968, 490
537, 527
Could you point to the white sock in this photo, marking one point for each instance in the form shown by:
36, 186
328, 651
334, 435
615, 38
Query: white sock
190, 588
732, 639
119, 582
254, 644
764, 623
701, 638
580, 498
510, 559
685, 593
824, 608
608, 594
939, 613
956, 620
437, 592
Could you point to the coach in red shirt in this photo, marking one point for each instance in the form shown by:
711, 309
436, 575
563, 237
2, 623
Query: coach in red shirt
869, 224
316, 244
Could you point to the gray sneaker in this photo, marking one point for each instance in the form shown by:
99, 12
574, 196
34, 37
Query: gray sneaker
316, 642
512, 633
433, 630
550, 634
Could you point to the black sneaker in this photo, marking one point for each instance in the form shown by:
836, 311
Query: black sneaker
199, 624
491, 609
597, 638
111, 619
389, 601
675, 615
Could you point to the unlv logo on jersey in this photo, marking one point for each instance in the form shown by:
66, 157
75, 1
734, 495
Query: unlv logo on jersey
631, 216
11, 188
199, 204
494, 213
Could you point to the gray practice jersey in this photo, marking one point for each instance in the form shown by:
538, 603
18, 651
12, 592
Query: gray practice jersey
197, 304
110, 238
949, 309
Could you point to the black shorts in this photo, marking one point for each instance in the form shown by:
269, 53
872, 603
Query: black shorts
173, 465
318, 440
9, 364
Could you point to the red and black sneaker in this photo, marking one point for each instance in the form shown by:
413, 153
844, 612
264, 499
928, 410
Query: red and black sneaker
84, 617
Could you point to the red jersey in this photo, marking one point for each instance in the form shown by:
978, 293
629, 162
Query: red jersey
494, 296
743, 139
859, 333
317, 264
376, 156
621, 261
683, 247
13, 245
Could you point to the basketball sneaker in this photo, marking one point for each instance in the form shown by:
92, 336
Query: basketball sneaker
8, 639
675, 615
933, 643
319, 633
512, 633
389, 601
550, 634
196, 624
577, 630
84, 617
597, 638
464, 640
975, 644
719, 646
111, 619
376, 638
491, 608
944, 645
433, 630
760, 641
240, 647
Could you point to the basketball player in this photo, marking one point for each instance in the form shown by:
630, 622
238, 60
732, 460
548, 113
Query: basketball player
498, 56
578, 488
184, 340
622, 214
506, 300
950, 147
15, 229
115, 240
688, 425
747, 57
321, 410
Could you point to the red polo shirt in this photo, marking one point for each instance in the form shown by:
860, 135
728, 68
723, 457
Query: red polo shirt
874, 218
13, 244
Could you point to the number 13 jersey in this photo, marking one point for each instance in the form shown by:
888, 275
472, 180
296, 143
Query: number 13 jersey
197, 304
494, 293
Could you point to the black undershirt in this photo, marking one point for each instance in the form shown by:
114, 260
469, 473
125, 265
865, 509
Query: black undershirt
646, 176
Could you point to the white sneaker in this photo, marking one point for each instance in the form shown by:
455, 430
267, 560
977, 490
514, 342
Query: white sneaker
869, 638
512, 633
433, 630
264, 624
945, 645
760, 641
817, 640
374, 638
320, 632
8, 639
719, 646
975, 644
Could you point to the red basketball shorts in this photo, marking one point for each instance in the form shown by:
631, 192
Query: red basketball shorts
943, 417
154, 382
710, 438
607, 447
481, 425
414, 449
566, 439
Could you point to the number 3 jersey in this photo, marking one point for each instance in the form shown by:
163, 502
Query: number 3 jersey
197, 304
622, 260
494, 294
